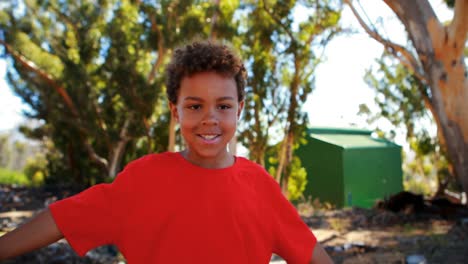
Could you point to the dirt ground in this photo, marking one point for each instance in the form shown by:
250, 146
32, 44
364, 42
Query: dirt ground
352, 235
372, 236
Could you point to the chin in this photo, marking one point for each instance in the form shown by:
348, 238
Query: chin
209, 153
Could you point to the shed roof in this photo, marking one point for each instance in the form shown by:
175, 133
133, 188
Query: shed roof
350, 138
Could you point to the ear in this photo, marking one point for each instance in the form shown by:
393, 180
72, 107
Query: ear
239, 110
174, 112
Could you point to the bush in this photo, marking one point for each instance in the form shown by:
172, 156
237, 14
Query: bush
13, 177
297, 179
36, 170
419, 187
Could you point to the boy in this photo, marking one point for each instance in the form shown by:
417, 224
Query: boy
201, 205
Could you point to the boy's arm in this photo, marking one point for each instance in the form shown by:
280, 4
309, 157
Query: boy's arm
40, 231
319, 255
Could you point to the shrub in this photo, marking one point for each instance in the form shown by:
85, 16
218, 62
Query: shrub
36, 170
13, 177
417, 186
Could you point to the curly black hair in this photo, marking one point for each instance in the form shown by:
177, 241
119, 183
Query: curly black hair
204, 56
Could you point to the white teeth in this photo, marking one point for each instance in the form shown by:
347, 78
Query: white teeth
208, 137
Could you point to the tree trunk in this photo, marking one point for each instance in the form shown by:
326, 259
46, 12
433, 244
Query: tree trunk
214, 19
116, 158
440, 53
439, 63
257, 151
288, 159
447, 102
281, 159
287, 149
261, 156
117, 152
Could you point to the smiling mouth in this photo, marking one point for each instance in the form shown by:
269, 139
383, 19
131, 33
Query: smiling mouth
208, 137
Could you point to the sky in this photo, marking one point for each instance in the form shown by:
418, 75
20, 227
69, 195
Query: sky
340, 88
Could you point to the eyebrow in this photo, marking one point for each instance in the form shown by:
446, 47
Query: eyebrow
193, 98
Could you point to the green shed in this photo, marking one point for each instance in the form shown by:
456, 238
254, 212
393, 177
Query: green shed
349, 167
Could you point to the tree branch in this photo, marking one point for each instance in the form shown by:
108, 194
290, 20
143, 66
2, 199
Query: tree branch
161, 50
100, 121
95, 157
213, 33
124, 131
427, 100
400, 52
45, 76
276, 117
458, 29
278, 22
61, 91
117, 151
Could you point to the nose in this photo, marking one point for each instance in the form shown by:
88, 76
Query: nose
210, 119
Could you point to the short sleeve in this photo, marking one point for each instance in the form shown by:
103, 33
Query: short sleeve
293, 240
92, 218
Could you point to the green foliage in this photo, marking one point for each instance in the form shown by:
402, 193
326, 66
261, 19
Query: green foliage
13, 177
399, 94
450, 3
36, 170
272, 159
297, 174
297, 180
417, 186
91, 72
88, 71
400, 97
282, 54
44, 60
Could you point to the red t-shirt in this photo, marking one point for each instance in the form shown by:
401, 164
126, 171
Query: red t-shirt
163, 209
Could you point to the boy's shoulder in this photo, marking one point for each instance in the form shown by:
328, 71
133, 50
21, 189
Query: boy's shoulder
250, 165
256, 170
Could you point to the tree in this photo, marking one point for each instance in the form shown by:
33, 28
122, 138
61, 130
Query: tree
282, 54
399, 98
437, 60
265, 103
93, 73
83, 70
4, 150
298, 67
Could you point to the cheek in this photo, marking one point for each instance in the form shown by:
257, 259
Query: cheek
231, 122
187, 121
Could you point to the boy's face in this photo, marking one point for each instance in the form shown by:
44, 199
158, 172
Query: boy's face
207, 110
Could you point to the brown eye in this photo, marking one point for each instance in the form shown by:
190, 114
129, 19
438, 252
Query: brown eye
224, 107
194, 107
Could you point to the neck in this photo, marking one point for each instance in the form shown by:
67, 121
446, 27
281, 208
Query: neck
220, 161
